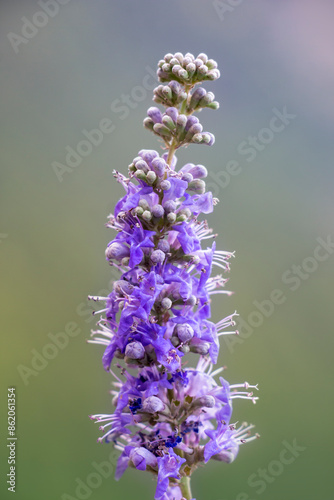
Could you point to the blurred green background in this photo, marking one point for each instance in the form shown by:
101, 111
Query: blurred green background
84, 58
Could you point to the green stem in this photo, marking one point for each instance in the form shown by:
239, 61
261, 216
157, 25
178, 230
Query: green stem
184, 106
171, 153
185, 487
175, 144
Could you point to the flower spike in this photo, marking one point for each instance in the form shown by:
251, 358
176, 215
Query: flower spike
169, 417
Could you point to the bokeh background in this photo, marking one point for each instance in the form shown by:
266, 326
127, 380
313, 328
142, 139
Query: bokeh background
63, 79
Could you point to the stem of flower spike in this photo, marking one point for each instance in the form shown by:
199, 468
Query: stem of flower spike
174, 144
185, 487
171, 154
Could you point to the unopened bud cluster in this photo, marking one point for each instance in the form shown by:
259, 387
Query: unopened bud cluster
187, 69
169, 417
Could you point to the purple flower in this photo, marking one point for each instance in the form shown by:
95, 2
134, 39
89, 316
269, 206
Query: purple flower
141, 458
169, 466
221, 441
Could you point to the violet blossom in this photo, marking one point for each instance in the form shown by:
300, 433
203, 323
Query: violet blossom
168, 417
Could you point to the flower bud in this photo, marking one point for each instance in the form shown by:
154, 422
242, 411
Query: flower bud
167, 92
165, 185
185, 211
191, 68
198, 172
203, 69
159, 165
211, 64
168, 122
227, 456
139, 211
182, 73
171, 217
148, 123
135, 350
169, 206
157, 256
140, 174
147, 216
197, 186
176, 67
191, 301
168, 57
207, 401
187, 177
194, 129
180, 125
181, 218
197, 138
190, 55
179, 57
117, 251
191, 121
203, 56
199, 346
158, 211
187, 60
148, 155
151, 177
160, 129
166, 303
196, 97
184, 331
143, 203
153, 404
175, 87
123, 287
173, 113
125, 261
155, 114
164, 245
208, 138
175, 341
213, 74
207, 99
213, 105
198, 62
142, 165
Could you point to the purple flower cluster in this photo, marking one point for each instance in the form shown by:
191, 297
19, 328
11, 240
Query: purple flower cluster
168, 418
